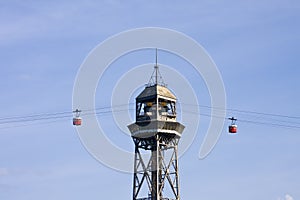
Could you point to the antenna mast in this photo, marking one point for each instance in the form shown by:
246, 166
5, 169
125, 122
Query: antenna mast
156, 78
156, 69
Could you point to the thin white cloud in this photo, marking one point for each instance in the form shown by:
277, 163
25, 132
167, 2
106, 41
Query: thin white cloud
288, 197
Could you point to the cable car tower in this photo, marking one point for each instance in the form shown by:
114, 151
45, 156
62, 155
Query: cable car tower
156, 134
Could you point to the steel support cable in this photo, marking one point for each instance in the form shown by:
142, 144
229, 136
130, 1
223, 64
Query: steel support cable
247, 121
109, 107
262, 116
32, 116
42, 116
63, 118
244, 111
108, 110
56, 117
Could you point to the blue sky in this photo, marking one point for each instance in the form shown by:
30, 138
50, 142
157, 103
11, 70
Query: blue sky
255, 45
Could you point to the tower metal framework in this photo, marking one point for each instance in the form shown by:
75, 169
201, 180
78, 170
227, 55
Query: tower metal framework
156, 134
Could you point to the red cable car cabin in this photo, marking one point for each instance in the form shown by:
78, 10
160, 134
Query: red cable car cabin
233, 128
77, 121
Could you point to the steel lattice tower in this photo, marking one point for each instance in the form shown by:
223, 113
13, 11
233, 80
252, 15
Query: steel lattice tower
156, 134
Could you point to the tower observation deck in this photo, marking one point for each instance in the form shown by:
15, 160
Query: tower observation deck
156, 134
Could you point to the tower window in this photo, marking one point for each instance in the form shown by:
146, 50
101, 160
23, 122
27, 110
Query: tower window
166, 108
146, 109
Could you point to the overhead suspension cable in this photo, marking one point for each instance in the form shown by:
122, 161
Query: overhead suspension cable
274, 120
